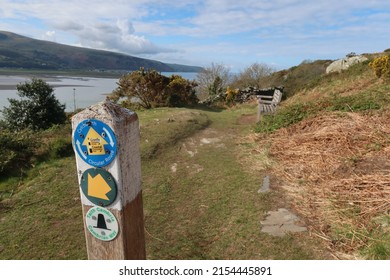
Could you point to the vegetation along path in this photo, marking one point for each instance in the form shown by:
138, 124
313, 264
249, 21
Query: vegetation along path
203, 202
201, 196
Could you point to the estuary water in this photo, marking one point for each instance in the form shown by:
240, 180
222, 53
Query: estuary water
74, 92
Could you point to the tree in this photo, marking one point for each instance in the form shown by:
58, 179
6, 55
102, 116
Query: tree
151, 89
181, 91
217, 87
147, 86
213, 80
252, 75
38, 109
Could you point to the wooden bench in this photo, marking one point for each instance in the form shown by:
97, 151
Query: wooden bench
268, 103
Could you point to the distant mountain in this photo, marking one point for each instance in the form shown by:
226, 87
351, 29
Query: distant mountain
18, 51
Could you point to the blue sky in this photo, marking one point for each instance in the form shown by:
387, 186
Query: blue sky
280, 33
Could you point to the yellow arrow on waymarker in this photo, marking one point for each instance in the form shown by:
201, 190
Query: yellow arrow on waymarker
94, 142
98, 187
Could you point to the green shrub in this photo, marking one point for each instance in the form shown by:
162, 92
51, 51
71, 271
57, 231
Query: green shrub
359, 102
60, 148
285, 117
17, 151
37, 108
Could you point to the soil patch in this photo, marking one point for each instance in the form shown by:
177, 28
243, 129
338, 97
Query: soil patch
247, 119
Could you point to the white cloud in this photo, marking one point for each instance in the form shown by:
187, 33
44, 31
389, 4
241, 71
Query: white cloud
50, 36
116, 36
203, 30
98, 24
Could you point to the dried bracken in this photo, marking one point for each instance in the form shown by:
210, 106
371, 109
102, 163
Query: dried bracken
336, 169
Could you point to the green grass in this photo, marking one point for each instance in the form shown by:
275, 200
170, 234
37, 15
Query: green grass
208, 209
40, 212
379, 245
42, 220
374, 99
285, 117
363, 101
163, 127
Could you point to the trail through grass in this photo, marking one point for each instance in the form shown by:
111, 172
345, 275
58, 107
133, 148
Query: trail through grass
200, 201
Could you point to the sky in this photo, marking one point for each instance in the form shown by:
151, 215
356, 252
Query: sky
279, 33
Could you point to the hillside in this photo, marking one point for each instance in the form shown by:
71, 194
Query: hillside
328, 149
17, 51
325, 153
306, 75
199, 201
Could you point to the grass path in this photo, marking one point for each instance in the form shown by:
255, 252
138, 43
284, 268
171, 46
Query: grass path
201, 203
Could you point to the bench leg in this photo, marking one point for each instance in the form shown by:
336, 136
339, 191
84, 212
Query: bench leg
258, 110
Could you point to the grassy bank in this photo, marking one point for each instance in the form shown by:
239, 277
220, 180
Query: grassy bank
330, 148
201, 200
40, 212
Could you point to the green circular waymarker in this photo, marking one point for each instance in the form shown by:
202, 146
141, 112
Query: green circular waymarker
101, 223
99, 186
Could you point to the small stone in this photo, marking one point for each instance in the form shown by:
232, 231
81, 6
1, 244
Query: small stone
266, 184
174, 167
280, 222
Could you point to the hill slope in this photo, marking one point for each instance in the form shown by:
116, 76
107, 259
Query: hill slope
329, 149
17, 51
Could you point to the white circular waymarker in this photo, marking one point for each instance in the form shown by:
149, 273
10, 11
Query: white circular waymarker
101, 223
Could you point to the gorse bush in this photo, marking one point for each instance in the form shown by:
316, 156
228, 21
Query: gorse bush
231, 95
381, 66
150, 89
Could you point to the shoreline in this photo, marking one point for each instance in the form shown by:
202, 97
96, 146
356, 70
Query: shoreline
9, 81
13, 86
30, 73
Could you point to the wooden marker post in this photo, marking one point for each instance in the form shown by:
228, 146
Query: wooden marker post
106, 142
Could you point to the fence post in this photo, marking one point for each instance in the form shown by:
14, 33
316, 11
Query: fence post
106, 142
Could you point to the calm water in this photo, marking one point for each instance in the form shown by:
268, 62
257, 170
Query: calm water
71, 91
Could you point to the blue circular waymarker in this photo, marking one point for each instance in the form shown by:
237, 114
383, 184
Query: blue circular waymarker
95, 142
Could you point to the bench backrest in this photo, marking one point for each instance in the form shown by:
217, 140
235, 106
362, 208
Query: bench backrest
268, 103
277, 97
